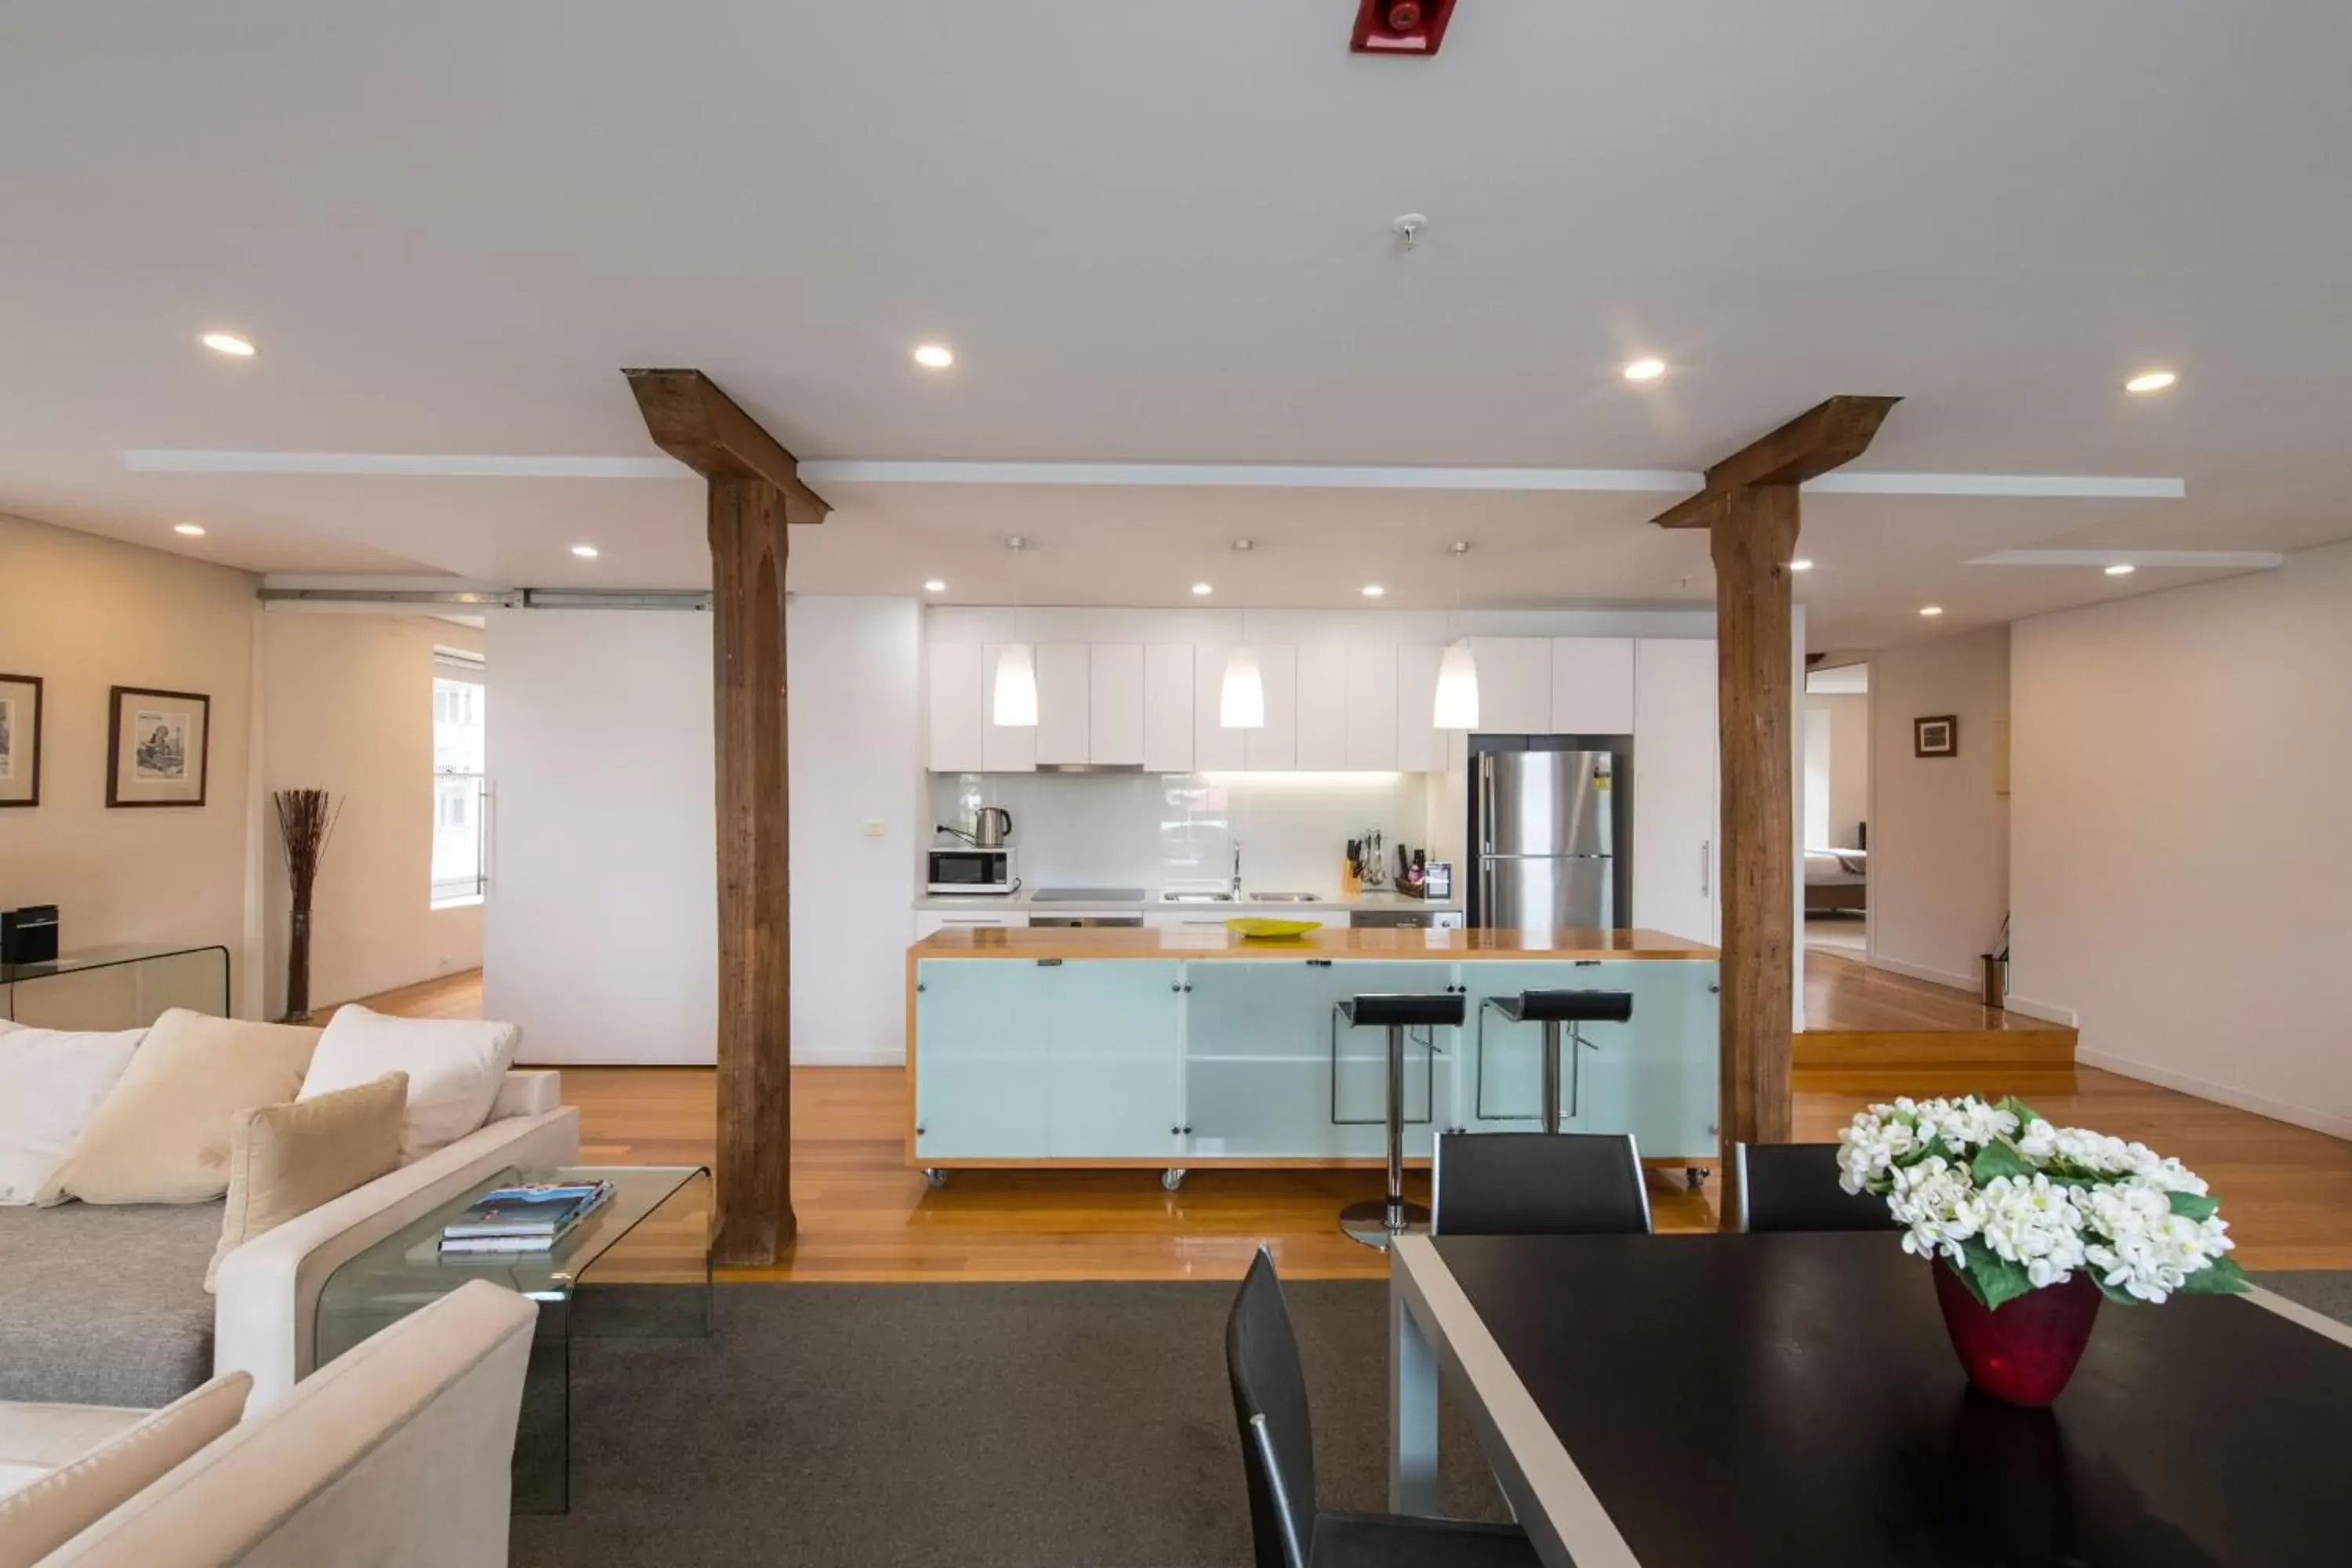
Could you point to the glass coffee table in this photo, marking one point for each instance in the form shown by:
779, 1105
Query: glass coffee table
637, 1267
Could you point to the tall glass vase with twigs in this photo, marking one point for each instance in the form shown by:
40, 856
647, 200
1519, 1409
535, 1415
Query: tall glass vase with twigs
306, 819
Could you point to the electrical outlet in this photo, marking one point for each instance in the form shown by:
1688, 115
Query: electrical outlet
874, 827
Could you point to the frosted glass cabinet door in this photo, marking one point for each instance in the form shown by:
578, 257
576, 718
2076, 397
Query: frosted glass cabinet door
1117, 1072
1656, 1077
981, 1059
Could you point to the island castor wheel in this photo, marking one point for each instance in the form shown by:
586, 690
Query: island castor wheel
1172, 1178
934, 1177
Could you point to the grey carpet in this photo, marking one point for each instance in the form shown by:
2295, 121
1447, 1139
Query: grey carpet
1036, 1425
2327, 1291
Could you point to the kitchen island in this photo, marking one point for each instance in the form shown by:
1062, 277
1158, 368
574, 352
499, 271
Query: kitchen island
1192, 1048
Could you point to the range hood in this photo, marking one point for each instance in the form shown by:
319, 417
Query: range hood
1089, 767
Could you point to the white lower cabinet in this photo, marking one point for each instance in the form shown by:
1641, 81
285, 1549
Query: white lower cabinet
929, 920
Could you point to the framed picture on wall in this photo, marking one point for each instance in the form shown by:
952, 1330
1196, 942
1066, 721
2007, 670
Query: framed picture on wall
20, 739
1935, 737
158, 747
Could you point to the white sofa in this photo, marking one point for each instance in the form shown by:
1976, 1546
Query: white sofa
396, 1454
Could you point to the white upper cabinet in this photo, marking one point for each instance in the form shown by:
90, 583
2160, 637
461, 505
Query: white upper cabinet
1592, 685
1216, 749
1003, 749
1167, 708
1062, 707
1115, 704
1514, 685
1323, 707
1274, 745
953, 696
1420, 747
1676, 840
1372, 719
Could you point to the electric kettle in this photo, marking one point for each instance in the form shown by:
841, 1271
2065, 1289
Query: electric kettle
991, 826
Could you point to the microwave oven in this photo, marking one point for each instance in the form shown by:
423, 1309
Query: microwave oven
968, 870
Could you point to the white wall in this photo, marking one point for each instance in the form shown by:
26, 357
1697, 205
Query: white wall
1939, 830
348, 707
857, 823
601, 929
86, 614
1846, 717
2183, 866
603, 916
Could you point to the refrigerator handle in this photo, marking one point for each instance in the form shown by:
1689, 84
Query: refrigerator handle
1486, 804
1706, 866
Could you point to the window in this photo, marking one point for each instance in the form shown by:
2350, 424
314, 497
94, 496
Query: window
460, 788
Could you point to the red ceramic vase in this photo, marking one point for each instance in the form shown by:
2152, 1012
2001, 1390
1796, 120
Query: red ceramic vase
2023, 1351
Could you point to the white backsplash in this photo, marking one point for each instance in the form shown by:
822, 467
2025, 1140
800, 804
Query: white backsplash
1145, 830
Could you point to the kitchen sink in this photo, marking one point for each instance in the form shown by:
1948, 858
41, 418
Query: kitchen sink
1172, 897
1286, 898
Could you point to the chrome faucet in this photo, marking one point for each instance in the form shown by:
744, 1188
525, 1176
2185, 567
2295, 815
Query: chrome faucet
1237, 868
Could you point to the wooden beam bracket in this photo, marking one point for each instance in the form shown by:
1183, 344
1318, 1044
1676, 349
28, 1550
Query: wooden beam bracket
701, 426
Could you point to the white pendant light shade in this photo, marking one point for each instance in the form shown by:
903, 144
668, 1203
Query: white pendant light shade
1241, 701
1458, 689
1014, 704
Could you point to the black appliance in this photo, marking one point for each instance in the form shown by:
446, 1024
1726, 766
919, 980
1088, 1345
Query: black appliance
30, 935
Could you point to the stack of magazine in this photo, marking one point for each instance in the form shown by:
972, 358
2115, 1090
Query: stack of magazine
524, 1219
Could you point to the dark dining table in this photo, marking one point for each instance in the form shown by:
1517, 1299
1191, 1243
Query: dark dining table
1710, 1401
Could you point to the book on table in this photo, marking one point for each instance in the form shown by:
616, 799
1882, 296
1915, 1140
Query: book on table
529, 1218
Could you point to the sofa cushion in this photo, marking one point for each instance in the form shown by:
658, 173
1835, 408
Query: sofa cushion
455, 1066
52, 1082
35, 1521
287, 1160
162, 1137
106, 1305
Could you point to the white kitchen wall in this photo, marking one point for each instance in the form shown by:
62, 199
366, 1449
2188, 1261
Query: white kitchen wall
2181, 867
1939, 853
1148, 831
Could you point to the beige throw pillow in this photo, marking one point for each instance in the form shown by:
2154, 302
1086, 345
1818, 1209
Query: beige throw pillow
286, 1160
160, 1136
43, 1516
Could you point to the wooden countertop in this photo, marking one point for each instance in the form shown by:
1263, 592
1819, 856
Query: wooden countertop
1331, 942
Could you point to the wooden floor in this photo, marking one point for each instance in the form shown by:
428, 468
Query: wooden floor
864, 1215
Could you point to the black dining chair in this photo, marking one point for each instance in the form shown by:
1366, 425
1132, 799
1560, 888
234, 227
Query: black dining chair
1794, 1187
1537, 1183
1279, 1459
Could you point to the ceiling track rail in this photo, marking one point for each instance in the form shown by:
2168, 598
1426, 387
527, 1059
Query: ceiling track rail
500, 598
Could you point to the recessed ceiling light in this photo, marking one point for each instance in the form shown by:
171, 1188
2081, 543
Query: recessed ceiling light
1245, 546
1645, 369
192, 530
2150, 381
2122, 569
1373, 590
585, 552
935, 356
1931, 609
229, 343
935, 587
1801, 564
1201, 590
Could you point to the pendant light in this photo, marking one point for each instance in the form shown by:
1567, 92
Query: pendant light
1013, 705
1457, 673
1241, 700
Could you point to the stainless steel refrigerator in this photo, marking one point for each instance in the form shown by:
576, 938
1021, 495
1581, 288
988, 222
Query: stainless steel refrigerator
1543, 838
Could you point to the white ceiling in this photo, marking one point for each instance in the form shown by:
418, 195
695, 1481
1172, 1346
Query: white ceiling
1159, 234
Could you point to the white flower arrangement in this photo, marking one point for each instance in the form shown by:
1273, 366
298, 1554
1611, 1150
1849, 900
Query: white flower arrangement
2013, 1202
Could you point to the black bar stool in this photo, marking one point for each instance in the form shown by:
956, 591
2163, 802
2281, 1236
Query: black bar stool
1553, 1008
1375, 1220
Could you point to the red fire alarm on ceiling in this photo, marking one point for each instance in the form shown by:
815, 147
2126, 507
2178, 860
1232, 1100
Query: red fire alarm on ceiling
1400, 27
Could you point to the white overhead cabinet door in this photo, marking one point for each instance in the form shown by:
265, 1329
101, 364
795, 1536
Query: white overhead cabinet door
1216, 749
1591, 685
955, 694
1323, 707
1062, 715
1168, 712
1372, 718
1115, 704
1003, 749
1675, 858
1274, 745
1514, 685
1420, 747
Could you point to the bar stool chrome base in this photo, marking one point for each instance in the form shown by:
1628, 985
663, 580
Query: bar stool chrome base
1376, 1221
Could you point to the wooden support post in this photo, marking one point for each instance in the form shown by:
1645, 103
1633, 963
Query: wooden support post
1749, 508
754, 494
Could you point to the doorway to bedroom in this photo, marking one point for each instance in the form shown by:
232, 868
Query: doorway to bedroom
1837, 810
